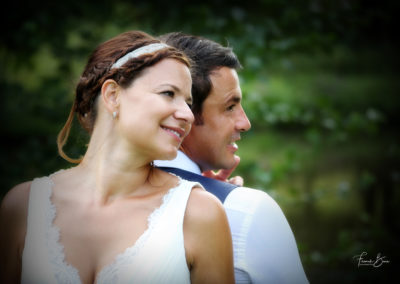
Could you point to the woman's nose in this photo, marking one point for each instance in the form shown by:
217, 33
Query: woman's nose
184, 112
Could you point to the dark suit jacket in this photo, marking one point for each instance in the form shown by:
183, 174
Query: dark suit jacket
219, 188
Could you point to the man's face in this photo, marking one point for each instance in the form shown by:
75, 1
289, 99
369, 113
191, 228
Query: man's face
212, 144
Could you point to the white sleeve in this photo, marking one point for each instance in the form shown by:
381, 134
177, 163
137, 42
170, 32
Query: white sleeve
270, 250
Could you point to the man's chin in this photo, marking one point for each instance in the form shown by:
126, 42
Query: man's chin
228, 164
219, 164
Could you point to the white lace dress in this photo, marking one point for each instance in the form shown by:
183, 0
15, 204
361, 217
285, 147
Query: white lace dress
158, 256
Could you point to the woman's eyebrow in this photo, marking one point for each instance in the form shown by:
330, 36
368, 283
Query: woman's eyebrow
176, 89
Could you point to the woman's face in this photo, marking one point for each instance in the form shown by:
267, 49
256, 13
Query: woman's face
154, 115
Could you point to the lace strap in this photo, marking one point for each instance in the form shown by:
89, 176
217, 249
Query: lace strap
38, 209
43, 256
35, 240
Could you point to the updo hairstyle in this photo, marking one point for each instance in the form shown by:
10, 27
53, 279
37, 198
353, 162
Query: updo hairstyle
98, 70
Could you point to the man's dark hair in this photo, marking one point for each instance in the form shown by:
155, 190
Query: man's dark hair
206, 56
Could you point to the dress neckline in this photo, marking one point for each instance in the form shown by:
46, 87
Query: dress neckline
57, 251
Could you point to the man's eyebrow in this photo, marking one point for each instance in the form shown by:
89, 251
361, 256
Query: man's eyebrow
233, 99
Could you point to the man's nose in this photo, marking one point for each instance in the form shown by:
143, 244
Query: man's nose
243, 123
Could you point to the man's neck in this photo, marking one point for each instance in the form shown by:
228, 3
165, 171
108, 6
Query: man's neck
182, 161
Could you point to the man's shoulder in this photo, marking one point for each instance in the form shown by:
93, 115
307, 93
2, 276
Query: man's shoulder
249, 193
235, 197
250, 199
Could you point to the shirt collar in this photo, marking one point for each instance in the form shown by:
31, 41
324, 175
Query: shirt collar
181, 161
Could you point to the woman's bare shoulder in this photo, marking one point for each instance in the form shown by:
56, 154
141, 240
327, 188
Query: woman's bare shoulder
13, 224
204, 208
15, 202
208, 241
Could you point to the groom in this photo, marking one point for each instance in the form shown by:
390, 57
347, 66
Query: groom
265, 249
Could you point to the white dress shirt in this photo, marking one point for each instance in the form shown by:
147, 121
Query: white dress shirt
264, 246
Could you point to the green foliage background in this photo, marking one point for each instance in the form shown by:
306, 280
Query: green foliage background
320, 86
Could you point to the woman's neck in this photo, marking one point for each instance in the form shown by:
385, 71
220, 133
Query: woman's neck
116, 169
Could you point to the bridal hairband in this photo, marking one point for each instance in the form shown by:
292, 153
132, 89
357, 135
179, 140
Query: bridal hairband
137, 52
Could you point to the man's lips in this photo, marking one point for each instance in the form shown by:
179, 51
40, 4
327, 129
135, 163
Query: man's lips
233, 146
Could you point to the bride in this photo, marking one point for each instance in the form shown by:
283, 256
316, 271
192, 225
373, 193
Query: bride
114, 218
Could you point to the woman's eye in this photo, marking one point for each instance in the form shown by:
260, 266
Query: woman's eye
168, 93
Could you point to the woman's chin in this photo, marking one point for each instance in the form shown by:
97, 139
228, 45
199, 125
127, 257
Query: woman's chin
169, 155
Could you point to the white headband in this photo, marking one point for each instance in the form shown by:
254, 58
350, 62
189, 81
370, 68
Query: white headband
137, 52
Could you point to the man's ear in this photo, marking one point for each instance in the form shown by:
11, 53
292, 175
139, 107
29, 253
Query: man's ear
110, 92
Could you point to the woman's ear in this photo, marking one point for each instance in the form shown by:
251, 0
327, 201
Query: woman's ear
110, 92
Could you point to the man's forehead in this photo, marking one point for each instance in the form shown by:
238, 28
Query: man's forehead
225, 85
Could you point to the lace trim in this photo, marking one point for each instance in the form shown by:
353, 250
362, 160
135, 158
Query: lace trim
66, 273
109, 273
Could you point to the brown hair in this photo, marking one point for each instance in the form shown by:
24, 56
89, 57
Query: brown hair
98, 70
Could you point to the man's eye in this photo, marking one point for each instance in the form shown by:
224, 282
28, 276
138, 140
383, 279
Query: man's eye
230, 108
